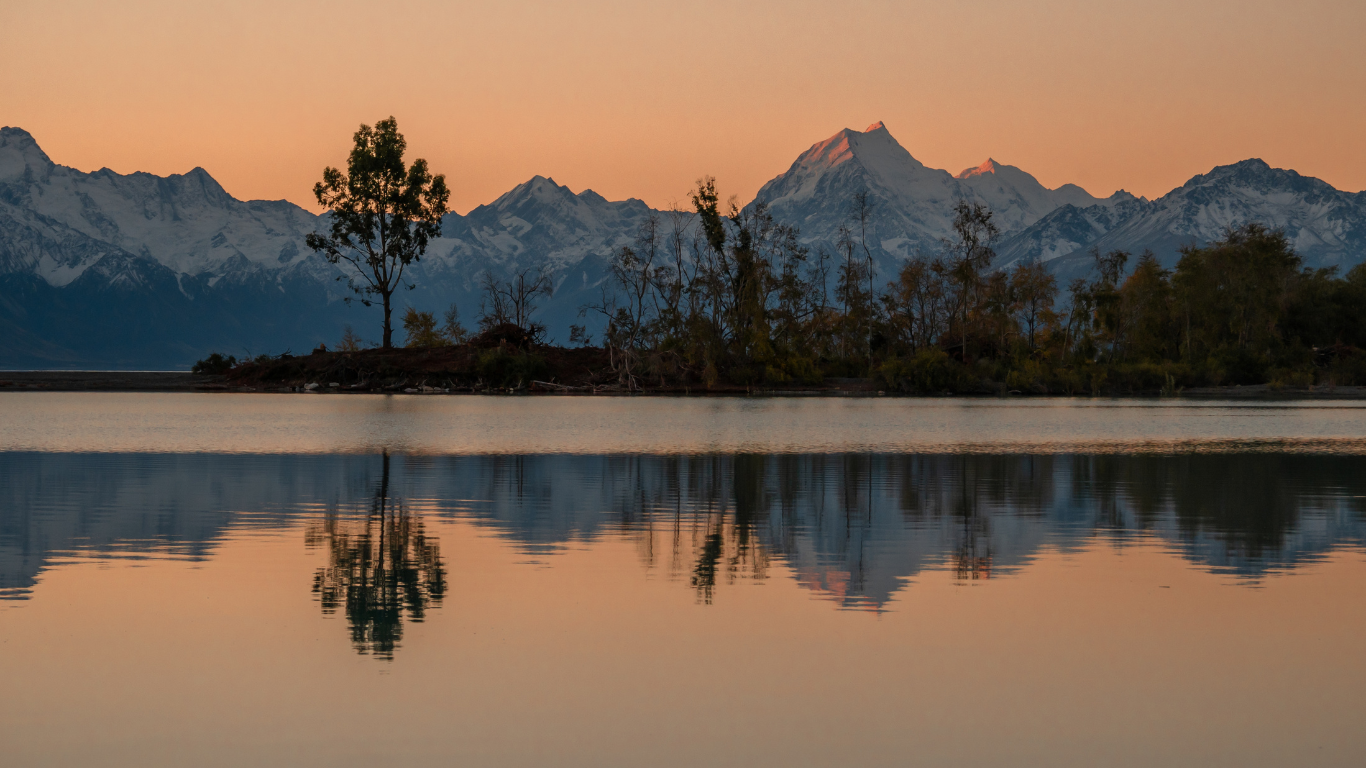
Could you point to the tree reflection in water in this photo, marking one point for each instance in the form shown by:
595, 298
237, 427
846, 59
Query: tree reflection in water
728, 529
379, 568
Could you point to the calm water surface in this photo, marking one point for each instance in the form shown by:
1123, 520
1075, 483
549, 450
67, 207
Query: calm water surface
354, 580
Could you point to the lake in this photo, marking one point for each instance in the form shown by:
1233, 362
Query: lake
339, 580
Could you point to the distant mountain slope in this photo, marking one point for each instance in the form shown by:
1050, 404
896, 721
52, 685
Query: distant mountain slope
1326, 226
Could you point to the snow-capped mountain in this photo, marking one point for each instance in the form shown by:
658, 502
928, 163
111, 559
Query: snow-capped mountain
540, 220
537, 222
1325, 225
137, 270
912, 204
111, 270
186, 222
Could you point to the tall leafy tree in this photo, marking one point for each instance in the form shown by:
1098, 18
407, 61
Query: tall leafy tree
384, 213
969, 253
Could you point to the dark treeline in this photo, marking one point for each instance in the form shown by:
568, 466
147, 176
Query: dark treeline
732, 296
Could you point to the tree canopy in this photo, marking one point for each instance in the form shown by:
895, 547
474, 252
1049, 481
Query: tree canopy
383, 214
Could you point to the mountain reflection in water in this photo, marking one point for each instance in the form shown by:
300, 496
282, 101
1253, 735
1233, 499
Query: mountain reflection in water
854, 528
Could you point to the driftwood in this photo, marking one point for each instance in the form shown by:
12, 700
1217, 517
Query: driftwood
553, 386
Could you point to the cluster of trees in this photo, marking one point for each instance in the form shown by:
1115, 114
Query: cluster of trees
738, 298
509, 302
734, 296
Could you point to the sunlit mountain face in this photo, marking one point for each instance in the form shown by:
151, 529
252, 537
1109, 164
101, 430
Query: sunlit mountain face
136, 271
912, 204
855, 529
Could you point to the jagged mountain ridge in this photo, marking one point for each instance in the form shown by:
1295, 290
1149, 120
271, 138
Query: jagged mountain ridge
137, 270
62, 221
1325, 225
185, 222
110, 270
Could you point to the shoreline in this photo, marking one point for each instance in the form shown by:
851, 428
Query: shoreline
184, 381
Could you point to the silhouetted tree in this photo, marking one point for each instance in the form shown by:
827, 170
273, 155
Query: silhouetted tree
383, 214
968, 254
514, 300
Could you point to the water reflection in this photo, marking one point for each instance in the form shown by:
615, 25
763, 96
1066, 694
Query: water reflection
852, 528
379, 569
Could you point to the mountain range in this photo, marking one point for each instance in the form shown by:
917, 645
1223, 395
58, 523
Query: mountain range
107, 270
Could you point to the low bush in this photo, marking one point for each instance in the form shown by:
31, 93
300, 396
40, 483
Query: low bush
930, 370
214, 365
500, 368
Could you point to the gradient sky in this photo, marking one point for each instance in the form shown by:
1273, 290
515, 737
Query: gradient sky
637, 99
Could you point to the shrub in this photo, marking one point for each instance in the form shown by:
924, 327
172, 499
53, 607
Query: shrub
1349, 369
1240, 366
1288, 377
350, 342
420, 328
930, 370
501, 368
214, 365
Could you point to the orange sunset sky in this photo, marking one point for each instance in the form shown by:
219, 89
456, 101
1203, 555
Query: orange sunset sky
637, 99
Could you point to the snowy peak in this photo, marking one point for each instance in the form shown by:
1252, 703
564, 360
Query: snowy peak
833, 151
540, 220
840, 166
538, 189
989, 166
1326, 226
20, 141
912, 203
1253, 173
873, 147
591, 197
541, 198
20, 153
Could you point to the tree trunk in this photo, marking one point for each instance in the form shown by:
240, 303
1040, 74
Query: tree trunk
388, 327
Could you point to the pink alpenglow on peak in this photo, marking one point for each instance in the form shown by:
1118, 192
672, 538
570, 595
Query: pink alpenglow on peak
990, 166
874, 146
